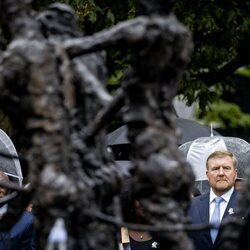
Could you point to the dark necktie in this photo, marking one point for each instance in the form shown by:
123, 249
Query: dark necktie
215, 219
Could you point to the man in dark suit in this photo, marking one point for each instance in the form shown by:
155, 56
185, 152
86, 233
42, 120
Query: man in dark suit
21, 235
218, 203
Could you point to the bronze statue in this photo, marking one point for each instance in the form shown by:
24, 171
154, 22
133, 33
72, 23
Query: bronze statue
52, 86
149, 89
49, 109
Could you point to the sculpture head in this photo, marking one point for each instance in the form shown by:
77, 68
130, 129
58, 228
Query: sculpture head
58, 19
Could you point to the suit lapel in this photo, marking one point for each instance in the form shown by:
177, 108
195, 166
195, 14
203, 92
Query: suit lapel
204, 214
231, 205
204, 208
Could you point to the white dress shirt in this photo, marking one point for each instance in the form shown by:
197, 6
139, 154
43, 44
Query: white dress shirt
226, 197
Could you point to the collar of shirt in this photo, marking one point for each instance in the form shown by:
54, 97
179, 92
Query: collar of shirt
226, 196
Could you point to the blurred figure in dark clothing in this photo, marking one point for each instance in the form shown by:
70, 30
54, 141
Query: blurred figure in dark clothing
133, 213
20, 237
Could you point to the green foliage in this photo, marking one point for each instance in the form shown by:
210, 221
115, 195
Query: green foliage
218, 30
244, 71
225, 115
221, 35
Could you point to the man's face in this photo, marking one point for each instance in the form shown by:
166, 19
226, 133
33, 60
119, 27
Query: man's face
221, 174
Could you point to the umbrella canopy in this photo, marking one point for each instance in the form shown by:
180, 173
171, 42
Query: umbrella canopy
197, 152
10, 166
190, 130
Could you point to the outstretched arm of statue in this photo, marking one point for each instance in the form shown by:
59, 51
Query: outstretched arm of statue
132, 32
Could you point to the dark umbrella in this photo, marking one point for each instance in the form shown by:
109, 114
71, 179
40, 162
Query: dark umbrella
11, 166
190, 130
197, 152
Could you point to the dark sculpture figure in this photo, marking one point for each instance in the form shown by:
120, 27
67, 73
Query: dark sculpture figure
49, 110
52, 86
89, 76
161, 47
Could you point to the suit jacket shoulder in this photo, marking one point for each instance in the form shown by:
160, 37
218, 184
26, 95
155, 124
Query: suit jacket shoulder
199, 209
21, 234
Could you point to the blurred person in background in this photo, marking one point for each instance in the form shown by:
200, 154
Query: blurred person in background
20, 236
133, 213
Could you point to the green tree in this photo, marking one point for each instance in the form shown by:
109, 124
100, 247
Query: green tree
221, 32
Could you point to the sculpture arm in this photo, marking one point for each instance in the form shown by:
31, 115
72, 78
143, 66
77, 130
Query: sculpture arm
132, 32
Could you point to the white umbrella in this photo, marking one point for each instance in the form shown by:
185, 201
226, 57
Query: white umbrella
197, 152
10, 166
